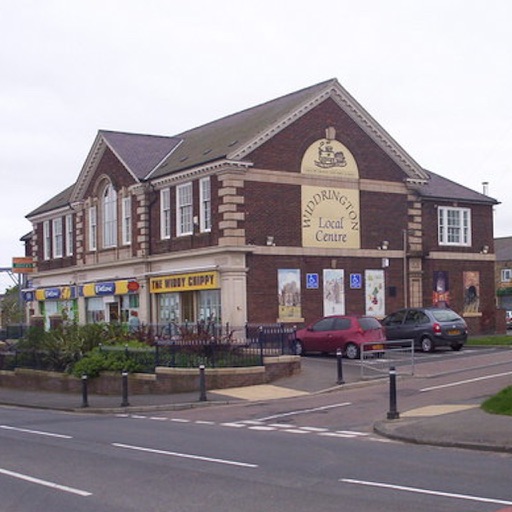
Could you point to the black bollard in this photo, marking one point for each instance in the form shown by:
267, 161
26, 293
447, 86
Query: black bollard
85, 402
393, 414
202, 384
339, 360
125, 402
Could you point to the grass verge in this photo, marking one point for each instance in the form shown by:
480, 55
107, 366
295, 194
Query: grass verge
501, 403
499, 340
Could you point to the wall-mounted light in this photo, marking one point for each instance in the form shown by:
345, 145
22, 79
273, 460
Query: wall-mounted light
384, 245
385, 262
270, 240
485, 249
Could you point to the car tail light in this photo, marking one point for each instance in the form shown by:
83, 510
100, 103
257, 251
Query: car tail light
437, 328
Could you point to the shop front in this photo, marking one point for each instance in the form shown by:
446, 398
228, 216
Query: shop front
110, 301
191, 297
57, 301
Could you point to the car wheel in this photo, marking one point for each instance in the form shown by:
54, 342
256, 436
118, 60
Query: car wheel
427, 345
456, 347
299, 349
352, 351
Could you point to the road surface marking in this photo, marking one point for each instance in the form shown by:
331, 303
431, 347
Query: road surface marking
460, 382
185, 455
425, 491
304, 411
436, 410
38, 432
46, 483
352, 432
337, 434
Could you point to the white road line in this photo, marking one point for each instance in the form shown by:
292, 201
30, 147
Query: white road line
461, 382
204, 422
234, 425
185, 455
179, 420
337, 434
315, 429
158, 418
46, 483
296, 431
38, 432
352, 432
304, 411
262, 428
425, 491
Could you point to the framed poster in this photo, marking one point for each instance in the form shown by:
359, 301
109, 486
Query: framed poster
374, 292
334, 292
289, 300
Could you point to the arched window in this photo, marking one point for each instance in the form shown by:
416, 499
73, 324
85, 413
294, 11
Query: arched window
109, 217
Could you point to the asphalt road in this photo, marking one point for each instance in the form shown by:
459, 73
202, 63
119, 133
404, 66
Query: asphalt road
306, 453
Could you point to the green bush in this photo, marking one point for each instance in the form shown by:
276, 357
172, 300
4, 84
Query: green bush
100, 360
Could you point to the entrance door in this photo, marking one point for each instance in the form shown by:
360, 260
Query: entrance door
187, 307
113, 312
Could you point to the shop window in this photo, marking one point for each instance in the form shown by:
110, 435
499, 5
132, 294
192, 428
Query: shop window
95, 310
209, 306
454, 226
128, 303
184, 209
169, 308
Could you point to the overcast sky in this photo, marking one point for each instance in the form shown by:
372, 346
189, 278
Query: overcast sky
436, 74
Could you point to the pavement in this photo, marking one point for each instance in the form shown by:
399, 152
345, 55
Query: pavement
461, 426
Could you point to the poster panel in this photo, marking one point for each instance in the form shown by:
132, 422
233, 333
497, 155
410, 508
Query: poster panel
471, 282
289, 299
375, 292
334, 292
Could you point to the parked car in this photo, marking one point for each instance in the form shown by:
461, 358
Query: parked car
428, 327
344, 332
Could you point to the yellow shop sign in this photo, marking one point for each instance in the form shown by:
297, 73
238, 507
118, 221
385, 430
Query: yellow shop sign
185, 282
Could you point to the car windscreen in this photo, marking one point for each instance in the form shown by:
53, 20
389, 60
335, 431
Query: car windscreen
368, 323
445, 315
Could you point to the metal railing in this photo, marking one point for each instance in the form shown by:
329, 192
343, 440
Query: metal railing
375, 361
173, 345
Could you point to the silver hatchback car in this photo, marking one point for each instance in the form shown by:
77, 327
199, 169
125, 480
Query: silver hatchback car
428, 327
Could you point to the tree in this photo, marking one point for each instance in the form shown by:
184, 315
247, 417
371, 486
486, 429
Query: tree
12, 312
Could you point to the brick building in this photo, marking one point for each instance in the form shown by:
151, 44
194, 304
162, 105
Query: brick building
284, 212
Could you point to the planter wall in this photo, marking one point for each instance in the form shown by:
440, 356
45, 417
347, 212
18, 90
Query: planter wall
164, 381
